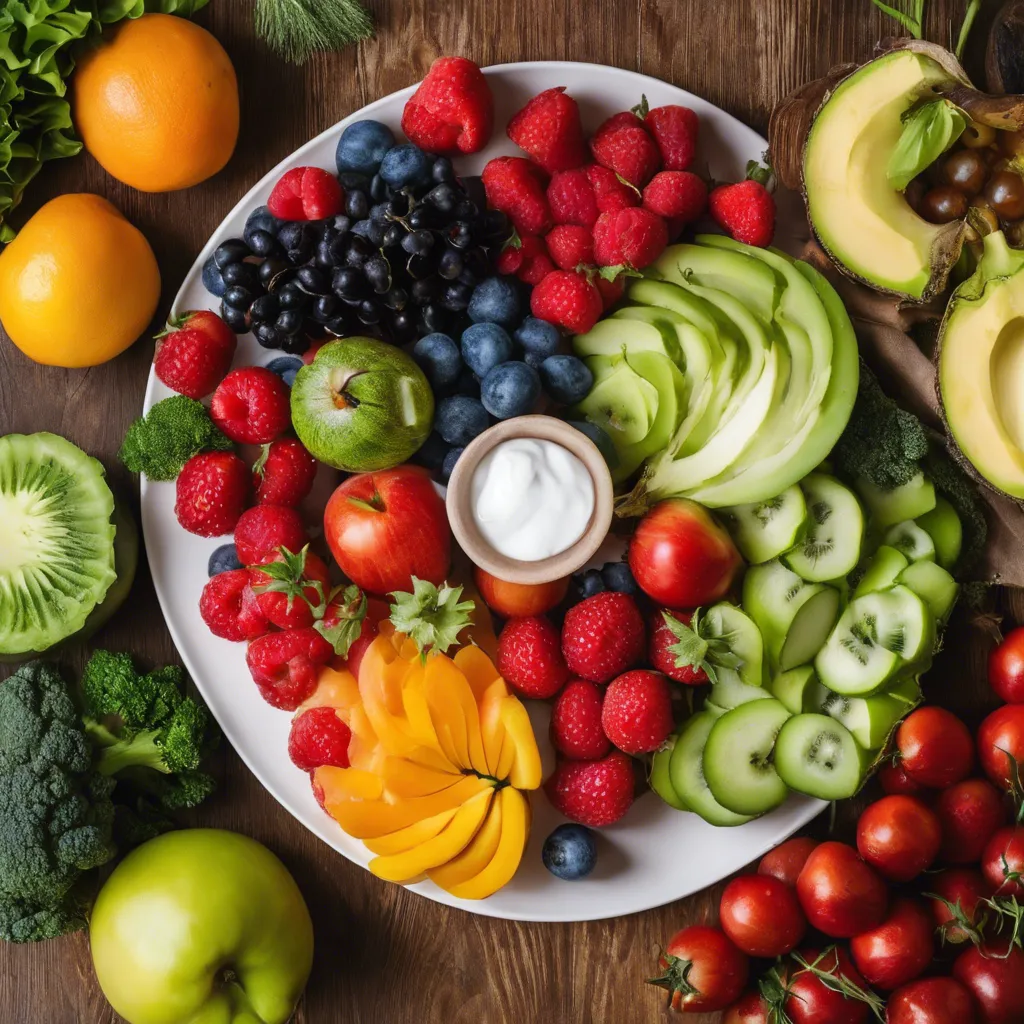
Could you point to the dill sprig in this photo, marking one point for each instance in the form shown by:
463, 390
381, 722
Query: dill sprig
298, 28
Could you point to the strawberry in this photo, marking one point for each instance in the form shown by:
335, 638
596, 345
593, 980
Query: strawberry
516, 187
229, 608
622, 145
283, 474
252, 405
603, 636
665, 653
194, 353
746, 211
594, 793
570, 246
676, 195
674, 129
452, 111
291, 587
527, 258
637, 711
632, 238
318, 737
306, 193
576, 730
285, 666
536, 267
211, 494
530, 657
611, 291
611, 193
548, 128
262, 530
567, 299
572, 199
348, 626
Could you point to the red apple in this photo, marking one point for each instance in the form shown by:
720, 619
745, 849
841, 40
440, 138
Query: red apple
681, 557
384, 528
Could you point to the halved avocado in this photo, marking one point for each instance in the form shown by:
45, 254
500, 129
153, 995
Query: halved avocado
981, 367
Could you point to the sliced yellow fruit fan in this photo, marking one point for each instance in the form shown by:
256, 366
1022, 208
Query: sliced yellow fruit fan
441, 756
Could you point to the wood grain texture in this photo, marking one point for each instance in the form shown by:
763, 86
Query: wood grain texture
385, 956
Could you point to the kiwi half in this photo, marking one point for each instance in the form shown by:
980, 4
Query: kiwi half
57, 557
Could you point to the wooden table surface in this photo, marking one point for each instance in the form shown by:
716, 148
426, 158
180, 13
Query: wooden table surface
383, 955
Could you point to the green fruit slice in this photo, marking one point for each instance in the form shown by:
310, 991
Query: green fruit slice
830, 545
621, 402
869, 719
943, 525
912, 499
764, 530
729, 691
882, 572
911, 541
796, 688
816, 755
660, 779
933, 585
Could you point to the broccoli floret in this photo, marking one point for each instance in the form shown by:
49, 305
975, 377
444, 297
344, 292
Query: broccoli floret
161, 442
112, 686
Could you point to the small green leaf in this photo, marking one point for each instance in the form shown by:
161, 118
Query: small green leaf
432, 616
928, 131
912, 20
691, 649
261, 463
642, 109
288, 576
346, 617
513, 241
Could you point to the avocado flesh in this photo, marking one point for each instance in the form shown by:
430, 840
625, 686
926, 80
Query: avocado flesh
981, 366
859, 217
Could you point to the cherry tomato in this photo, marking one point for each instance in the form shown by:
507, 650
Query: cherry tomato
701, 970
969, 814
994, 975
761, 915
1006, 668
893, 779
811, 1001
1001, 744
899, 949
840, 894
750, 1009
786, 862
1002, 863
930, 1001
963, 888
935, 747
899, 836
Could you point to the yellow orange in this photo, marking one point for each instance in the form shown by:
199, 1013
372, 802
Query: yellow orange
157, 103
78, 284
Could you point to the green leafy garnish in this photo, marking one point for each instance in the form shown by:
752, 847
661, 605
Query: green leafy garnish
698, 648
287, 576
928, 131
298, 28
909, 15
432, 616
346, 619
965, 29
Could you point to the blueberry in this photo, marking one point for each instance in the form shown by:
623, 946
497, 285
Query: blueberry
224, 559
448, 466
510, 389
591, 583
438, 357
354, 180
261, 219
566, 379
285, 367
432, 452
495, 300
617, 577
533, 359
460, 418
538, 337
600, 438
362, 147
570, 852
213, 280
484, 346
405, 165
467, 384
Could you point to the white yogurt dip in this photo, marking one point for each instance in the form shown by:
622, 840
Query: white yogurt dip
531, 499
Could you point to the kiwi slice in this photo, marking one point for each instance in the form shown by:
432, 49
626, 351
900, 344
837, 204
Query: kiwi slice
911, 541
56, 541
830, 546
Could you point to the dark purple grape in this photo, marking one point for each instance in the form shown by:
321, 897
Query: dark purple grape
368, 312
377, 271
290, 321
234, 250
264, 308
313, 280
236, 319
357, 205
267, 335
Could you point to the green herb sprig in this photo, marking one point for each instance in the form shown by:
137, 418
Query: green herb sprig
298, 28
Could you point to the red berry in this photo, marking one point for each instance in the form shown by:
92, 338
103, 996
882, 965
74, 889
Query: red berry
229, 607
548, 128
528, 260
637, 713
530, 657
516, 187
283, 474
632, 238
285, 666
623, 146
291, 587
570, 245
611, 193
318, 737
603, 636
678, 195
611, 291
452, 111
572, 199
193, 356
212, 490
567, 299
660, 655
265, 529
306, 193
535, 268
594, 793
675, 131
252, 405
576, 730
746, 211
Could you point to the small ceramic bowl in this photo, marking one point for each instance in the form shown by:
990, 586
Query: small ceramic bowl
460, 507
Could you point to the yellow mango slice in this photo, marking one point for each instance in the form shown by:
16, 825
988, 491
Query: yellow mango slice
417, 711
525, 772
492, 728
348, 783
502, 866
476, 856
411, 836
478, 669
450, 842
333, 689
403, 779
453, 707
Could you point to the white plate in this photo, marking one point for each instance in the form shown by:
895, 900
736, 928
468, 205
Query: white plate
654, 856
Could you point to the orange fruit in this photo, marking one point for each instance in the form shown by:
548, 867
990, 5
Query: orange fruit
78, 284
157, 103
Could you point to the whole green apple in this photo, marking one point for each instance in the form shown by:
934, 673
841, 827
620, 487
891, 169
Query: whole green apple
201, 926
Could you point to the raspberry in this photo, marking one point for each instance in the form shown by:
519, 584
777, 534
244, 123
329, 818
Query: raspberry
623, 146
211, 493
572, 199
675, 130
567, 299
252, 405
265, 529
306, 193
632, 238
318, 737
229, 608
452, 111
549, 129
516, 187
678, 195
285, 666
611, 193
570, 246
284, 473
